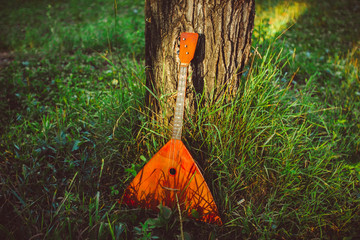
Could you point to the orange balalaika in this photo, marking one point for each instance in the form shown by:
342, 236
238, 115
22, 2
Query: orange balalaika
172, 171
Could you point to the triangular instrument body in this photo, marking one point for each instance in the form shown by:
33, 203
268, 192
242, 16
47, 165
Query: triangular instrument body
172, 171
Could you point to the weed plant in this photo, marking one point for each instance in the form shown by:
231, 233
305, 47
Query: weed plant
281, 159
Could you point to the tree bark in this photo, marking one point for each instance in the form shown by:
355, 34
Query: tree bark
225, 28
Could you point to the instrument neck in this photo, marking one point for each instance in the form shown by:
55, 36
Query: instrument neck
180, 102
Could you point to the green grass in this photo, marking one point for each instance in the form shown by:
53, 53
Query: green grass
282, 160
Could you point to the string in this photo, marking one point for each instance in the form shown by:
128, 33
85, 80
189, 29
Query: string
174, 153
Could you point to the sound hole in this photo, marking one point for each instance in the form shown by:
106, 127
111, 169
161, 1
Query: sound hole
172, 171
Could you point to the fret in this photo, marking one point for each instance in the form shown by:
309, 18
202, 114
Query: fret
180, 103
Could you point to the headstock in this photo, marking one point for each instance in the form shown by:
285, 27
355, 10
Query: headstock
188, 43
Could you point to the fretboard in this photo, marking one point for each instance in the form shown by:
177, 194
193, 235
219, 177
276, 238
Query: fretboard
180, 102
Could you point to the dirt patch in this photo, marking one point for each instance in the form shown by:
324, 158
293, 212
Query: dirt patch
6, 58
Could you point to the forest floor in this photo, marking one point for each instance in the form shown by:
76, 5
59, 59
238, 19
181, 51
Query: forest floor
282, 161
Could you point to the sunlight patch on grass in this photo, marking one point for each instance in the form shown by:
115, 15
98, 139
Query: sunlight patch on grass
277, 18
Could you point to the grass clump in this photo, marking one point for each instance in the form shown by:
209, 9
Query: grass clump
281, 159
274, 167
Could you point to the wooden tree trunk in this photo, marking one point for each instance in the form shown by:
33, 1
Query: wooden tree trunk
225, 28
